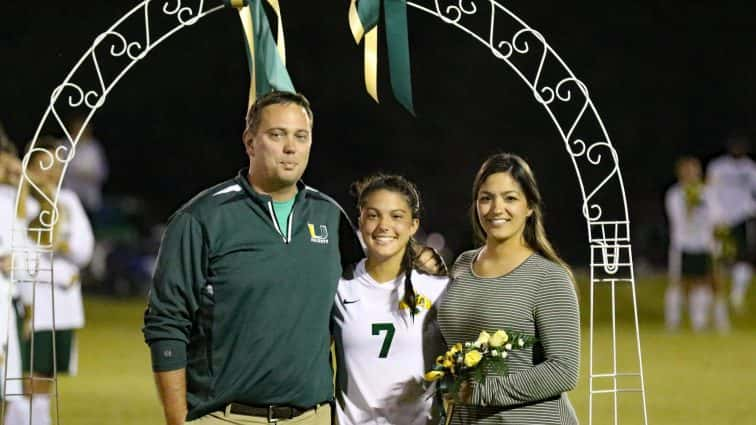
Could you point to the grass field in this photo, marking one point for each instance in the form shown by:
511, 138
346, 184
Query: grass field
690, 378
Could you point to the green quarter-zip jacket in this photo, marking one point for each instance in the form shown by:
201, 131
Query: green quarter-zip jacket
243, 305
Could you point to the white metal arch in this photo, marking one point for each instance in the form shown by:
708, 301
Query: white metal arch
608, 233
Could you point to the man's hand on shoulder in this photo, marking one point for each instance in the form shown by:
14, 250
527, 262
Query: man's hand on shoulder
428, 260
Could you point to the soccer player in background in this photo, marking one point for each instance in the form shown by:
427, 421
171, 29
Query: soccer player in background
72, 243
16, 409
733, 180
694, 213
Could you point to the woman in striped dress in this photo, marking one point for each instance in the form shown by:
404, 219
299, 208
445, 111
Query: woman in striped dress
514, 281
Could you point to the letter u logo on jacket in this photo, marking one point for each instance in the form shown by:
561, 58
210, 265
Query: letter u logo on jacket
318, 238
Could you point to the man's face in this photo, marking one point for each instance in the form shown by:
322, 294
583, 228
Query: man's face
280, 147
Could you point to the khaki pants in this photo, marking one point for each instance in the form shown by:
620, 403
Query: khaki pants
320, 415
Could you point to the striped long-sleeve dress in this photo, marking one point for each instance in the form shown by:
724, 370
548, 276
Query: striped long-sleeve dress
537, 298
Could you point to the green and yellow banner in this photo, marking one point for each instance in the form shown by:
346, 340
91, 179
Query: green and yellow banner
266, 57
363, 21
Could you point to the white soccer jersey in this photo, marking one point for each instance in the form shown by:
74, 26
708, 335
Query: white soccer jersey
381, 352
69, 308
8, 333
7, 218
692, 231
733, 181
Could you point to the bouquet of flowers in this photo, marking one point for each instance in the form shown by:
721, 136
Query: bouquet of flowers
471, 359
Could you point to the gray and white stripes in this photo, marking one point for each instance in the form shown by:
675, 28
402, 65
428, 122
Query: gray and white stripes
536, 298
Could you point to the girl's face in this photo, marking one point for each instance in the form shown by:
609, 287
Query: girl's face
502, 207
386, 224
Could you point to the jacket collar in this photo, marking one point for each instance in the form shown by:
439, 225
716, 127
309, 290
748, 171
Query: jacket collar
241, 180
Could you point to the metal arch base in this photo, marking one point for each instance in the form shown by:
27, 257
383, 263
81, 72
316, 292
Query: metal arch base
609, 237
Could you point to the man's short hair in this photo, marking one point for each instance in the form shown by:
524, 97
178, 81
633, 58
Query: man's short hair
254, 115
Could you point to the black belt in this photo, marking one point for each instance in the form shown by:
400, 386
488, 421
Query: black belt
271, 412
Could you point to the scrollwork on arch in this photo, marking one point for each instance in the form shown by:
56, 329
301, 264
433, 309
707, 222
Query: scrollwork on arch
185, 14
592, 211
452, 14
48, 215
133, 50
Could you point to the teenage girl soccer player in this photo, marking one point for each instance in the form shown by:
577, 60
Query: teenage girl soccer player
383, 319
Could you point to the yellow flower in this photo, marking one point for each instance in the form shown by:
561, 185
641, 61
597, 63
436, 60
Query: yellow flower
440, 360
482, 339
433, 375
456, 348
498, 339
447, 363
472, 358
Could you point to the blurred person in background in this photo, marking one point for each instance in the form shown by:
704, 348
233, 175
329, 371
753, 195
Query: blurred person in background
88, 170
16, 409
733, 180
694, 213
71, 241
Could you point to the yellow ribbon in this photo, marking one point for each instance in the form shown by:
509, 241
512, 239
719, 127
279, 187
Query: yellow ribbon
249, 30
280, 42
371, 49
246, 20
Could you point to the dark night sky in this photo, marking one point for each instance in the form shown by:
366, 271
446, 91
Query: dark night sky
667, 77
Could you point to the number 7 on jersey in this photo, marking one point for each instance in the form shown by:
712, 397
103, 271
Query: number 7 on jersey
389, 329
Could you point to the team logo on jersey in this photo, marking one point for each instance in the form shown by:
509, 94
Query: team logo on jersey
421, 303
318, 238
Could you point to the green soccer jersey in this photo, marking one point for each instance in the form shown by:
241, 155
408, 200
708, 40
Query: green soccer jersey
245, 306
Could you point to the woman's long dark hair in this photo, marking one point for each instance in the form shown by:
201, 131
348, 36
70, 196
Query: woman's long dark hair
534, 232
397, 184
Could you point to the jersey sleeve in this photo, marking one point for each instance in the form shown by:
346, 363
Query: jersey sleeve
36, 269
173, 300
80, 243
675, 209
557, 323
716, 213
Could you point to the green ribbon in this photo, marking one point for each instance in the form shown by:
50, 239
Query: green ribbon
397, 41
266, 66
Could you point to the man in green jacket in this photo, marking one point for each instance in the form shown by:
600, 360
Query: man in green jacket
238, 316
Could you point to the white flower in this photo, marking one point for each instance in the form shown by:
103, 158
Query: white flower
508, 347
520, 342
468, 344
494, 353
503, 354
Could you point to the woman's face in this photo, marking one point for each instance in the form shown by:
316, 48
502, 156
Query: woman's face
502, 207
386, 224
